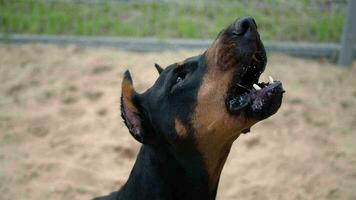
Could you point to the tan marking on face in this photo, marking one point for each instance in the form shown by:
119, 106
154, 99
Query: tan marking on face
215, 128
180, 128
127, 93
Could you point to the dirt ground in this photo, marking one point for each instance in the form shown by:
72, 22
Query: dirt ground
62, 137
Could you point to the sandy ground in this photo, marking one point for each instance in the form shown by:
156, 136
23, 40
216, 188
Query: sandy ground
61, 135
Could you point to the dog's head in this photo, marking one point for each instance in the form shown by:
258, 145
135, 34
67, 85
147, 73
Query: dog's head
208, 100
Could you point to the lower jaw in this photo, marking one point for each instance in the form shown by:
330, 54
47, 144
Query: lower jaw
266, 110
259, 104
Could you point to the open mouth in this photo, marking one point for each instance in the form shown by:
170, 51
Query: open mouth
242, 47
246, 94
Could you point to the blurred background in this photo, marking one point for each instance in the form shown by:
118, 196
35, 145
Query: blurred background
61, 63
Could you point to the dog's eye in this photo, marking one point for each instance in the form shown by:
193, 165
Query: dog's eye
180, 77
178, 83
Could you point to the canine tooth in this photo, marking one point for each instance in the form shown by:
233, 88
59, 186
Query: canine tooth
270, 79
256, 87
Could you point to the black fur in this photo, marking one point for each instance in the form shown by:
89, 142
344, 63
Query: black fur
170, 167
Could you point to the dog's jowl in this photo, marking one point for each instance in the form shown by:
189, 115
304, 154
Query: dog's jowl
188, 120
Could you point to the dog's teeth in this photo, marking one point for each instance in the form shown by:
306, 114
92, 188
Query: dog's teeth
270, 79
256, 87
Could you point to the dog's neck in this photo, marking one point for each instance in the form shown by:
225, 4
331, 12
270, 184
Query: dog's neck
160, 174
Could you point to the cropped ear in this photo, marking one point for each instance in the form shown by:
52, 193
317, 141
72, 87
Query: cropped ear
159, 68
130, 111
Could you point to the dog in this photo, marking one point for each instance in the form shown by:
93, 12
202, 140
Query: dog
188, 120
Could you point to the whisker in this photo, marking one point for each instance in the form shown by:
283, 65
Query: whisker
238, 84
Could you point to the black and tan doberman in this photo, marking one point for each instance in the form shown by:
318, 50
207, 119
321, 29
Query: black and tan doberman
188, 120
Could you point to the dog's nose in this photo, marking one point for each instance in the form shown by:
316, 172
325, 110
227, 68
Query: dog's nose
245, 24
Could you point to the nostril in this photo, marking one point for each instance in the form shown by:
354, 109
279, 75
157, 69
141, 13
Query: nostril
243, 24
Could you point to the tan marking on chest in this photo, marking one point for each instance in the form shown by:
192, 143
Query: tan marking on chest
215, 128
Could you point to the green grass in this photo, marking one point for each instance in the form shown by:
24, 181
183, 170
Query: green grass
283, 20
